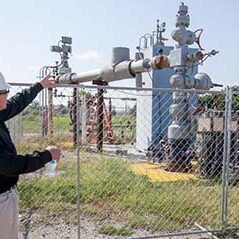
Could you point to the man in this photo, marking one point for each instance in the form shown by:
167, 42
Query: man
12, 164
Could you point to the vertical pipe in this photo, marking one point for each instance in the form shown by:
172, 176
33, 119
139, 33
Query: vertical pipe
100, 120
110, 127
226, 158
110, 111
178, 161
50, 116
42, 115
83, 114
74, 112
78, 159
46, 111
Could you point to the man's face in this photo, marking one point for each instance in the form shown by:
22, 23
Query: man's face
3, 100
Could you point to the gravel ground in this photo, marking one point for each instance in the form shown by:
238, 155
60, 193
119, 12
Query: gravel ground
88, 230
63, 230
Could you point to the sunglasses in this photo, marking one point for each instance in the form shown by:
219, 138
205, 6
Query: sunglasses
4, 92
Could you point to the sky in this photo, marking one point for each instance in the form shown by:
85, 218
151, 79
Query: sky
29, 27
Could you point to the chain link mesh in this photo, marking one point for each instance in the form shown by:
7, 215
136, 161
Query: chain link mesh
151, 161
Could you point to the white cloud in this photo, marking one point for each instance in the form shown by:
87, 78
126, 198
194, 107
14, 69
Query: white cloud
90, 55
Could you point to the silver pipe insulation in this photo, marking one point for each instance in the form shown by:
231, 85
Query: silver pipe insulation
73, 78
120, 71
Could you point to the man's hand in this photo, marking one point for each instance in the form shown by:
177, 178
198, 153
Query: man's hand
48, 82
55, 152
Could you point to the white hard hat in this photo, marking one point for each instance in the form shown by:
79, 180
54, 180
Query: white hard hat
4, 86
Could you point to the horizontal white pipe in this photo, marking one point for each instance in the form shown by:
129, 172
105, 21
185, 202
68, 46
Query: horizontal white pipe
123, 70
87, 76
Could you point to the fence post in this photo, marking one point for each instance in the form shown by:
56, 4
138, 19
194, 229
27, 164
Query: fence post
78, 157
226, 158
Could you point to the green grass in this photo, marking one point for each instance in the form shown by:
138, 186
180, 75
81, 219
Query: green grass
114, 231
31, 124
110, 191
124, 119
153, 206
124, 128
53, 197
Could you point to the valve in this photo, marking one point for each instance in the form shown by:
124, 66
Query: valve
212, 53
198, 38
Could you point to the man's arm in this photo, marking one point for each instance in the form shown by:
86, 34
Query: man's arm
20, 101
15, 165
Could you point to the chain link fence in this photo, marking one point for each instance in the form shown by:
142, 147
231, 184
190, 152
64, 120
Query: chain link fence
137, 163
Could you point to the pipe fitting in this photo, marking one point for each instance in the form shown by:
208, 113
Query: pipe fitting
160, 62
195, 57
203, 81
67, 78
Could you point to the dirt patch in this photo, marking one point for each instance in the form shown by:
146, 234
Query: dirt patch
88, 230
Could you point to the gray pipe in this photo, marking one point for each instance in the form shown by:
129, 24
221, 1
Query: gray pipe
121, 71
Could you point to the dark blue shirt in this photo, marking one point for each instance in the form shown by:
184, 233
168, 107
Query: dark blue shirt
12, 164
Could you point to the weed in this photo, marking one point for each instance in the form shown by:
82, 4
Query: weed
114, 231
